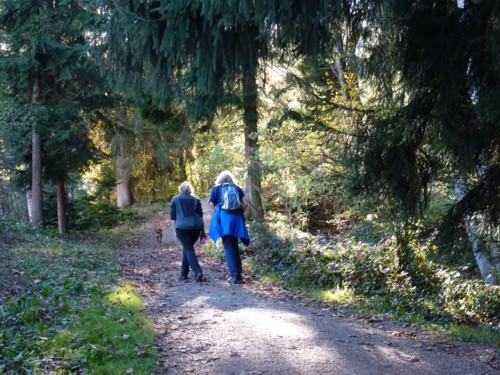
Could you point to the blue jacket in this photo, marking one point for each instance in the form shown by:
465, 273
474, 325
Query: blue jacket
224, 223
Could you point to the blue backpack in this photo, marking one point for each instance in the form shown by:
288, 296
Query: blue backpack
229, 197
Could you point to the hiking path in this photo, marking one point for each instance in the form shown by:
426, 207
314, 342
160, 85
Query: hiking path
258, 328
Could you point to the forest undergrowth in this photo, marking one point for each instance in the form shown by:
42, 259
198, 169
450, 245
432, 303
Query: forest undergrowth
366, 276
64, 307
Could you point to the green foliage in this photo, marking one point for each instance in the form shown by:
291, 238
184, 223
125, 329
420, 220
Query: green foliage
90, 213
164, 47
432, 292
15, 136
430, 113
212, 154
69, 315
105, 183
48, 42
12, 202
337, 295
480, 334
214, 250
50, 87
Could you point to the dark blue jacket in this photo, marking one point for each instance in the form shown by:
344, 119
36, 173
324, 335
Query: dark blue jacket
186, 210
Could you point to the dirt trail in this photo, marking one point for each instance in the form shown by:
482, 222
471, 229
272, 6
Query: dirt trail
217, 328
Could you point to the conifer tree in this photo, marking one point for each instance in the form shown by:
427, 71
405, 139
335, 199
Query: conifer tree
204, 50
45, 65
435, 70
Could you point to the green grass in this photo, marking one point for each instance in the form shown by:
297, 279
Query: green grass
338, 295
116, 237
270, 277
64, 309
480, 334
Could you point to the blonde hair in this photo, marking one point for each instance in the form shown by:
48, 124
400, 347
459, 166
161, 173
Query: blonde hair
225, 176
186, 187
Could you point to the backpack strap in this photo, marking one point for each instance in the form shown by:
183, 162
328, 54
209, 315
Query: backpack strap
221, 190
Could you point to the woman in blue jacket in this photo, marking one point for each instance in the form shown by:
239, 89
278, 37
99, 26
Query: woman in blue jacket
229, 224
186, 215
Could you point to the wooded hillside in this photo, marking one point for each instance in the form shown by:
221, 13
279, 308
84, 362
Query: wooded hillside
365, 133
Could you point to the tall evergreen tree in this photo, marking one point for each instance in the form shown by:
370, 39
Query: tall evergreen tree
200, 50
45, 64
435, 71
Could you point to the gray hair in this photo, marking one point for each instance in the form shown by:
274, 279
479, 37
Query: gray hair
225, 176
186, 187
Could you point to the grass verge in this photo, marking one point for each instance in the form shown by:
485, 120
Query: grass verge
64, 309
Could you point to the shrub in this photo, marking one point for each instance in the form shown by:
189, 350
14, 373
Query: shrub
429, 291
88, 213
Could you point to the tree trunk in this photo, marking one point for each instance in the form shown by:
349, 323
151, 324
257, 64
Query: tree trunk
62, 221
339, 71
250, 118
123, 191
404, 250
29, 205
183, 176
36, 166
486, 266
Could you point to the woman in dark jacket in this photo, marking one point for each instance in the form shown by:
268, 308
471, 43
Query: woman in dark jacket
229, 225
186, 215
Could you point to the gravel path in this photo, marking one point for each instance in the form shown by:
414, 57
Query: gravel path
217, 328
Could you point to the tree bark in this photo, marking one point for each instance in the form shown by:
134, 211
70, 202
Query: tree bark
123, 191
339, 71
36, 165
182, 164
62, 221
250, 118
29, 206
486, 266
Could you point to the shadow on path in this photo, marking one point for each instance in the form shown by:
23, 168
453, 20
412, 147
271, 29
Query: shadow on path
217, 328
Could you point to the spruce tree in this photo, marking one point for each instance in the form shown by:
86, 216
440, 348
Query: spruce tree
45, 65
434, 69
203, 51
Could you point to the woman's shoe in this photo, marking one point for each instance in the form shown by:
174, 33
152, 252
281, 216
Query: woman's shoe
236, 279
183, 278
199, 278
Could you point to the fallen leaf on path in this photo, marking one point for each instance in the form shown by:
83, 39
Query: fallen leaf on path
390, 343
375, 319
366, 343
486, 358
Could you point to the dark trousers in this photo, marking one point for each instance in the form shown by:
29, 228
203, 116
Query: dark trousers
233, 256
188, 238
